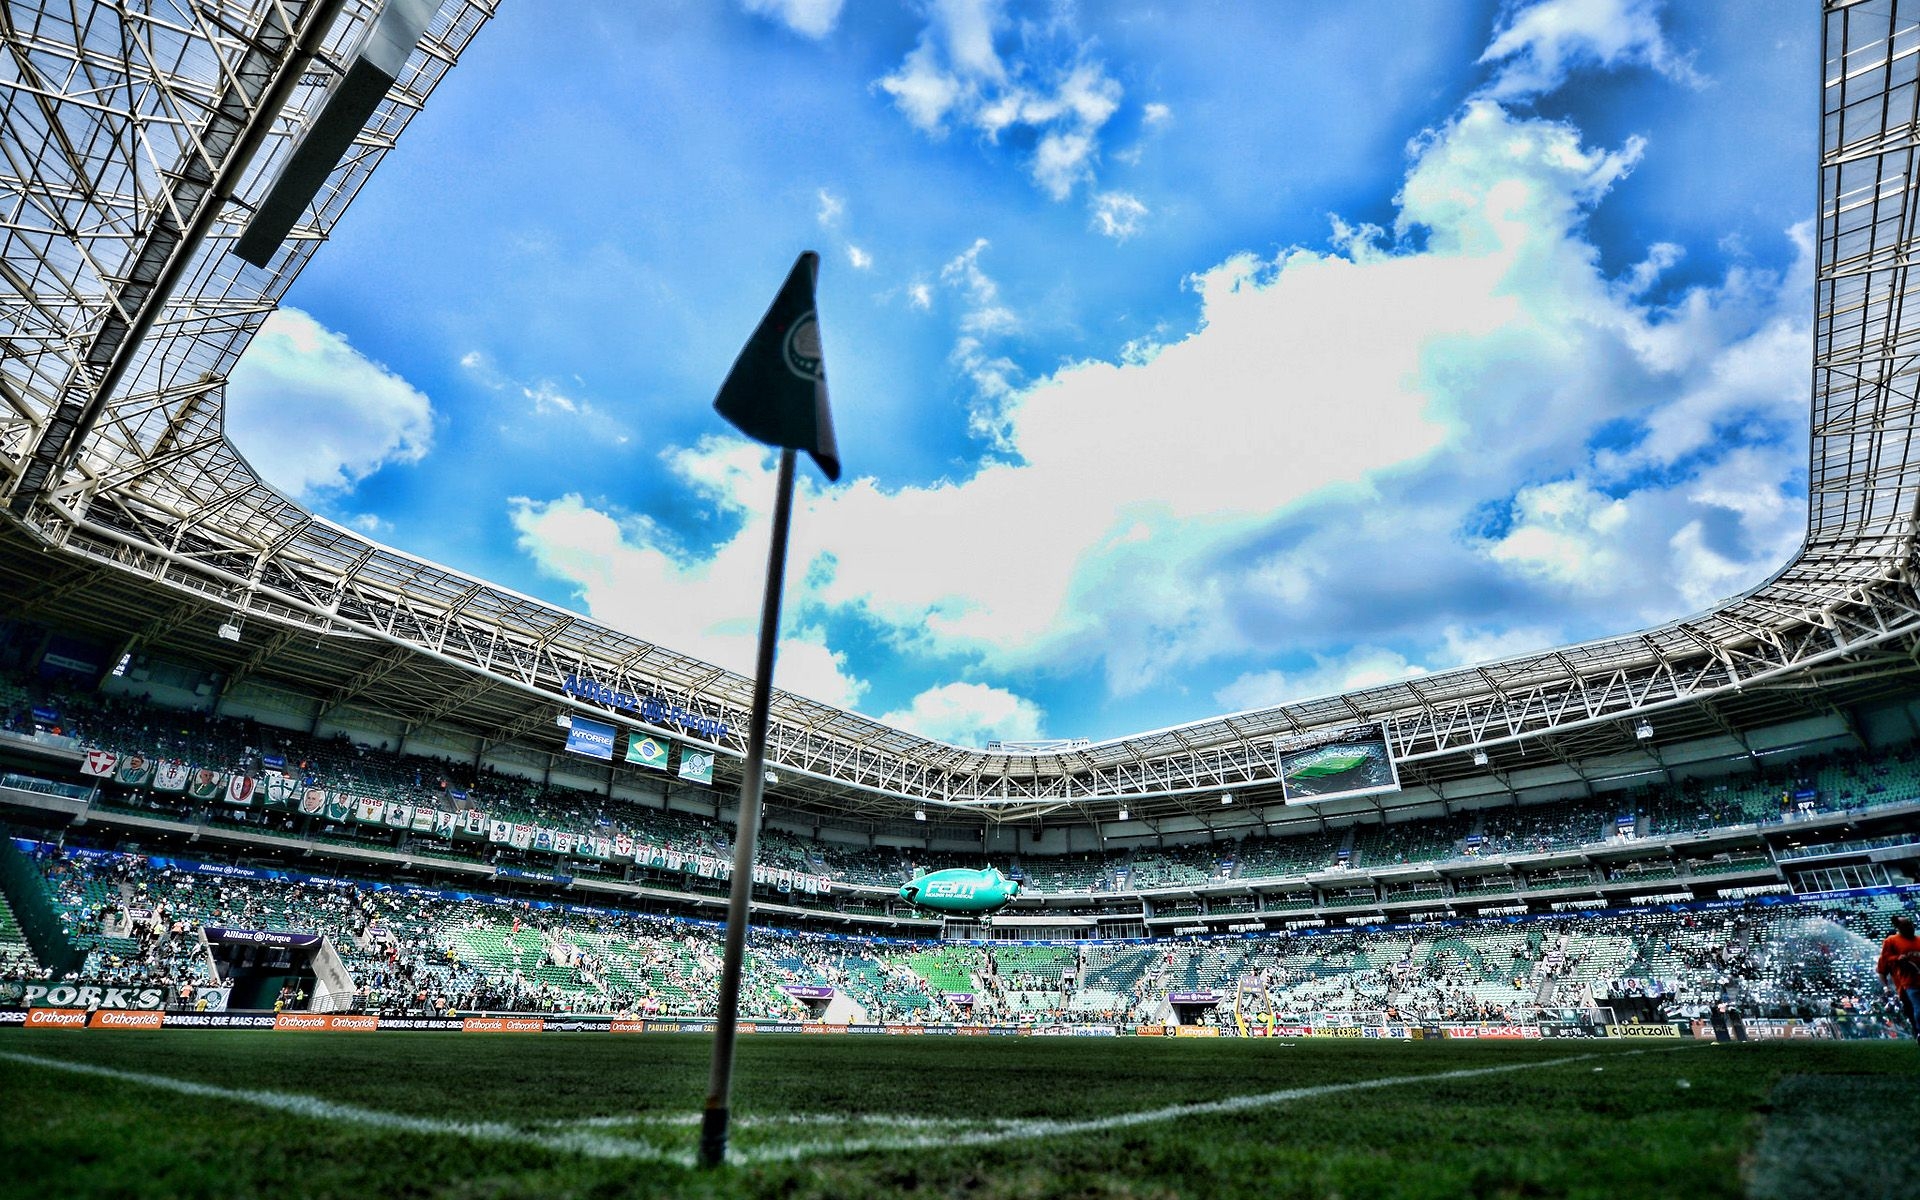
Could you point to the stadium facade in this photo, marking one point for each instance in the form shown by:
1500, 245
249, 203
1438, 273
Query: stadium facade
136, 538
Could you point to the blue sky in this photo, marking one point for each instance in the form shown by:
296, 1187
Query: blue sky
1186, 358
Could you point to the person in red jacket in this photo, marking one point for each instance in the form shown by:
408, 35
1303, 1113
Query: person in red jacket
1899, 969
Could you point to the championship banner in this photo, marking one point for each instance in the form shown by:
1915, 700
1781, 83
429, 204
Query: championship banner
473, 824
425, 819
134, 770
369, 811
591, 738
696, 766
99, 763
170, 776
543, 839
522, 837
602, 848
240, 790
207, 784
650, 752
564, 842
500, 832
400, 816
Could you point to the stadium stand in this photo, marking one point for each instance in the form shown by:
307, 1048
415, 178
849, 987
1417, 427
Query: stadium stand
417, 950
685, 851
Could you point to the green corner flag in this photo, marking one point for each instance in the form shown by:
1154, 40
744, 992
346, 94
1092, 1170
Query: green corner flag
777, 390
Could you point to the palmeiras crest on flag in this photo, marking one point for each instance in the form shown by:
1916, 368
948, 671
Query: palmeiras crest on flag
803, 349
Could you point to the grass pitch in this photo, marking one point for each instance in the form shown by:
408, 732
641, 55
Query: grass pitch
186, 1113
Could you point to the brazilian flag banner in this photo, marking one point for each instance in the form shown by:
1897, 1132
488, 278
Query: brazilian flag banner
649, 752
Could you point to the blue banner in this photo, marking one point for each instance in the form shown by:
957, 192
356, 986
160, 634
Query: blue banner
591, 738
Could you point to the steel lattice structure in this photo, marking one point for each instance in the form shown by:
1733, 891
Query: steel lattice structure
126, 135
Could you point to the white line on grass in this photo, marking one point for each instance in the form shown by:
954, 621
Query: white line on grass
1027, 1130
761, 1120
598, 1146
587, 1144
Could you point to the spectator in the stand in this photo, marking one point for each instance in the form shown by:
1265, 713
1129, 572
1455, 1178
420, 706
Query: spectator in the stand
1899, 969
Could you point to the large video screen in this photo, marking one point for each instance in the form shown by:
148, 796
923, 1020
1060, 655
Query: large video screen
1347, 762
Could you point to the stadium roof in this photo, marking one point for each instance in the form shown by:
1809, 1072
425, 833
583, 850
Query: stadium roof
139, 139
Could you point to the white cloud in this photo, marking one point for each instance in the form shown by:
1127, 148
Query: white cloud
984, 317
1393, 453
314, 415
1045, 84
1156, 114
831, 209
1538, 45
969, 714
1118, 215
809, 18
629, 574
1360, 667
920, 295
1564, 533
546, 398
858, 259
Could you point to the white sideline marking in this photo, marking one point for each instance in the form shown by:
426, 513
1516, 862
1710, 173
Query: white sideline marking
589, 1145
754, 1121
1043, 1128
599, 1146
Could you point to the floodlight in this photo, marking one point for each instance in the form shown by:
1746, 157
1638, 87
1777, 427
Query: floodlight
229, 631
1226, 798
772, 779
1123, 814
1479, 758
919, 814
1644, 730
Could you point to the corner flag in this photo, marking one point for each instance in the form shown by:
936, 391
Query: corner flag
777, 390
776, 393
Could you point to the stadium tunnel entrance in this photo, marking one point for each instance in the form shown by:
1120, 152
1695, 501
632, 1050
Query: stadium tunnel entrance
261, 968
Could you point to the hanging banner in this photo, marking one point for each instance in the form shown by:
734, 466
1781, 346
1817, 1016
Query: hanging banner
591, 738
134, 770
99, 763
650, 752
240, 790
696, 765
170, 776
279, 791
207, 784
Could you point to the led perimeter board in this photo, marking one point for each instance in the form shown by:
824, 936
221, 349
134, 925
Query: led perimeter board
1354, 761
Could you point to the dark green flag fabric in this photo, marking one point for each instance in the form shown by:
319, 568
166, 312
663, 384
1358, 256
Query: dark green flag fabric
777, 390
